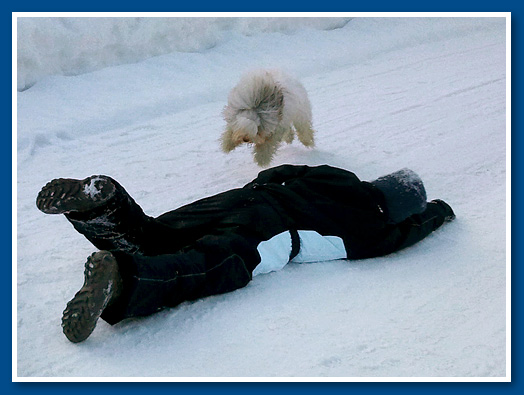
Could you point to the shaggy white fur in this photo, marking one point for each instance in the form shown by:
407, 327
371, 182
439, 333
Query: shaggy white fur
264, 109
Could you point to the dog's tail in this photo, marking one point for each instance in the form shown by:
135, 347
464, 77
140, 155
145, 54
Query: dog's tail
255, 105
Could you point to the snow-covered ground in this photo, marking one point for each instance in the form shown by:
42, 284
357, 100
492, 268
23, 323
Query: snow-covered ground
387, 93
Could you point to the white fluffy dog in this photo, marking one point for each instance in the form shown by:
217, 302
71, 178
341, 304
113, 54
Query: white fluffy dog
265, 108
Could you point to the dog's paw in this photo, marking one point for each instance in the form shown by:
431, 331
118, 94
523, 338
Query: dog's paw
306, 135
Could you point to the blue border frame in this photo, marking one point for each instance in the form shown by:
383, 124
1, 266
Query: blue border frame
512, 6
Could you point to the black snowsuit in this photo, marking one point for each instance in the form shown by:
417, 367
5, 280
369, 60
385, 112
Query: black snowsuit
210, 246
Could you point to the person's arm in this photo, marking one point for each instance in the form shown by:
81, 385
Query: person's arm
412, 230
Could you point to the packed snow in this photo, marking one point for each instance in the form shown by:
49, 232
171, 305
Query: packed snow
141, 100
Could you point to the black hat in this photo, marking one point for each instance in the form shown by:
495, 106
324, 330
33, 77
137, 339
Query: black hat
404, 193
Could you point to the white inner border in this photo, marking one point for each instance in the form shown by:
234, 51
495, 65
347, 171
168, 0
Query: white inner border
506, 15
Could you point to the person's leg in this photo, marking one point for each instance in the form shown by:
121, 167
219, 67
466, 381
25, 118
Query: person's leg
213, 265
120, 285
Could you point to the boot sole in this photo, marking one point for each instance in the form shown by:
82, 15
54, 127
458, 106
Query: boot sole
65, 195
83, 311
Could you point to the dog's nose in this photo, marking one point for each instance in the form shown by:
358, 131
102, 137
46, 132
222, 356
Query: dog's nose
246, 140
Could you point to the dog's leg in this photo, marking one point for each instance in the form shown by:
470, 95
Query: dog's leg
263, 153
288, 136
305, 134
228, 144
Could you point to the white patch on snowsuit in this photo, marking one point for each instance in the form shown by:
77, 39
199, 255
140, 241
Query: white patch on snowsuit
275, 252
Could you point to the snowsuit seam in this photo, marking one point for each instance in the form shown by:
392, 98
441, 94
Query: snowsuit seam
177, 276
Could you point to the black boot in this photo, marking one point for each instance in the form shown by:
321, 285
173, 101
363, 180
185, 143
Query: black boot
102, 286
99, 208
65, 195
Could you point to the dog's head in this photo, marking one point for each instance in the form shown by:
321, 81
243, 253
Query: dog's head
244, 126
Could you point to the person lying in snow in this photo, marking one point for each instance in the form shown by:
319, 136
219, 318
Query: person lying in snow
215, 245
